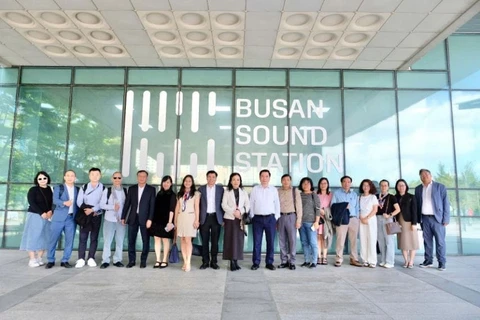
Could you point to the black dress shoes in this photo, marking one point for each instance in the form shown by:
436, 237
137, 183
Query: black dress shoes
118, 264
236, 264
143, 265
292, 266
254, 266
49, 265
305, 264
312, 265
284, 265
232, 266
270, 267
204, 266
131, 264
214, 266
104, 265
66, 265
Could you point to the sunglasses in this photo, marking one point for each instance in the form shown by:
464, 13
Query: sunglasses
44, 178
117, 178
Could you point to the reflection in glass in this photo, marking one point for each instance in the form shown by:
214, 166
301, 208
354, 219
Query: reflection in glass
426, 135
205, 141
7, 110
464, 51
470, 235
3, 196
17, 199
40, 133
371, 148
95, 131
466, 119
14, 226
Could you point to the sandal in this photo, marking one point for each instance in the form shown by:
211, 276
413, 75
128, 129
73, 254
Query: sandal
405, 265
410, 266
163, 265
156, 265
324, 261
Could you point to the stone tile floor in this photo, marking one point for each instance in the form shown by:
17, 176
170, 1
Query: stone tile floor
322, 293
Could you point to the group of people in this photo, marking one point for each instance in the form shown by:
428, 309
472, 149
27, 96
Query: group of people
318, 215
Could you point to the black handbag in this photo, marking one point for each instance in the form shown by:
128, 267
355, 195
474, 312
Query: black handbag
81, 217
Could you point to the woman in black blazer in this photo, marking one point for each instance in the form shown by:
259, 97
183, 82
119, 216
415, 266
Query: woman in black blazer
408, 219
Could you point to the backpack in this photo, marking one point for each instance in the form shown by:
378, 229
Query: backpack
109, 192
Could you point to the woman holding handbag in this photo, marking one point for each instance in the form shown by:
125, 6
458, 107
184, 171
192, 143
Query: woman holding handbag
368, 223
408, 219
187, 214
235, 203
310, 222
325, 197
388, 208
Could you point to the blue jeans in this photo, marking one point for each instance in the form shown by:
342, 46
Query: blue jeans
110, 230
309, 242
385, 241
56, 227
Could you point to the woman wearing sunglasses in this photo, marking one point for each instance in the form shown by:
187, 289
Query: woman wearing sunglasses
35, 236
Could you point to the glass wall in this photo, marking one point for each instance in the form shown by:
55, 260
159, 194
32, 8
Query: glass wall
178, 121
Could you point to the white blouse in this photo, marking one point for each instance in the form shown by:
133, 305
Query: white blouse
367, 203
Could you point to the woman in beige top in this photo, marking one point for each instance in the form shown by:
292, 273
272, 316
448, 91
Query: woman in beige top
187, 218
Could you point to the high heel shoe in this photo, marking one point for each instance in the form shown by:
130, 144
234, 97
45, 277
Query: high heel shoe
232, 266
236, 265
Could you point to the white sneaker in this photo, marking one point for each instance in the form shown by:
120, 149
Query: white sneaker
382, 264
40, 262
80, 263
388, 265
91, 263
33, 263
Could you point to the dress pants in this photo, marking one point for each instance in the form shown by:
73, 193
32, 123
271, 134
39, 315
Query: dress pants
368, 241
260, 224
432, 229
111, 230
352, 229
56, 227
287, 238
93, 230
386, 243
132, 239
210, 230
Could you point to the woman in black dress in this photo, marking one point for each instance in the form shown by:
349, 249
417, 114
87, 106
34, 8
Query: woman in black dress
162, 226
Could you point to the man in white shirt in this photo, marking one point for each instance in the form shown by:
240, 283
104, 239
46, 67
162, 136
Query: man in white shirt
265, 211
113, 199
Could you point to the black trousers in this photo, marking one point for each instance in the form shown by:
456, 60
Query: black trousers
132, 239
93, 230
210, 230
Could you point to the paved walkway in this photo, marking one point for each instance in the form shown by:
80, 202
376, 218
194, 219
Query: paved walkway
322, 293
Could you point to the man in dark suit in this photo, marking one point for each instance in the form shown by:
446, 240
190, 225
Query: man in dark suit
211, 219
433, 204
139, 206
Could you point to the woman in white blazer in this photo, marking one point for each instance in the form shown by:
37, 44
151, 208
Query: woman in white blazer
235, 203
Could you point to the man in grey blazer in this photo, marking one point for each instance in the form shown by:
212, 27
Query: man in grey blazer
139, 207
433, 204
211, 219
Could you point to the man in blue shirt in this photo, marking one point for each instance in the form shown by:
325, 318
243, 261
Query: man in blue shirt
346, 194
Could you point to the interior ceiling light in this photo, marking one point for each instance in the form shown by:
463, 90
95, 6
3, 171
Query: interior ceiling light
39, 35
170, 50
18, 18
297, 20
368, 20
345, 52
159, 19
292, 37
287, 51
53, 18
228, 36
101, 35
316, 52
193, 19
112, 50
201, 51
69, 35
333, 20
324, 37
165, 36
227, 19
229, 51
356, 38
83, 50
87, 18
196, 36
55, 49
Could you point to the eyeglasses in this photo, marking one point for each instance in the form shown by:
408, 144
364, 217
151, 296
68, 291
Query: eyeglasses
117, 178
44, 178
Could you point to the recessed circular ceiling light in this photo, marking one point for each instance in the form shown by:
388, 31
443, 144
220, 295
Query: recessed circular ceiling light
368, 20
228, 36
39, 35
227, 19
324, 37
53, 18
316, 52
229, 51
170, 50
159, 19
87, 18
164, 36
356, 37
196, 36
287, 51
345, 52
18, 18
201, 51
193, 19
292, 37
101, 35
333, 20
297, 20
83, 50
69, 35
55, 49
113, 50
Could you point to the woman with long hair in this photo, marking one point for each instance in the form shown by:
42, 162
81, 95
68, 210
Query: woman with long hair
310, 220
162, 223
325, 197
35, 234
187, 213
235, 203
368, 223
